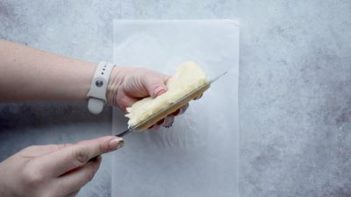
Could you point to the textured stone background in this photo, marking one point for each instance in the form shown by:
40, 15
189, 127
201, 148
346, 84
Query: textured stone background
295, 77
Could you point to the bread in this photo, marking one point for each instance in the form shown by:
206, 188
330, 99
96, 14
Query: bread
189, 77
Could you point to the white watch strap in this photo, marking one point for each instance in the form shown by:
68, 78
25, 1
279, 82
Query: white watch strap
98, 86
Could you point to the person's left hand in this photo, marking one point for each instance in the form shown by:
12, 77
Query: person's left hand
128, 85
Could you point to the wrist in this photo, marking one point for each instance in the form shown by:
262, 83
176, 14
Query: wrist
116, 79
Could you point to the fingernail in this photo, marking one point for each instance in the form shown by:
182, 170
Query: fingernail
116, 143
159, 90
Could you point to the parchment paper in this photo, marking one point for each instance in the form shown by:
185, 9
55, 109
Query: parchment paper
199, 155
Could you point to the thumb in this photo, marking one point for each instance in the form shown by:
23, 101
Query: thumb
156, 85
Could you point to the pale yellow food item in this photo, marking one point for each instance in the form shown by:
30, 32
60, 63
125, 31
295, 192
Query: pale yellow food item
188, 77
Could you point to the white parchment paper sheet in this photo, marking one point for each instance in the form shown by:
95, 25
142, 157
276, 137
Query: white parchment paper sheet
198, 156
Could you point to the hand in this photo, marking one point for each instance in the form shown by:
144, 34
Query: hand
54, 170
128, 85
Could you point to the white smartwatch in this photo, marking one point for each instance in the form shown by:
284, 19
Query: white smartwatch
98, 86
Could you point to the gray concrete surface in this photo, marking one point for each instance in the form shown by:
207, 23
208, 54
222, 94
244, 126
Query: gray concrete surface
295, 77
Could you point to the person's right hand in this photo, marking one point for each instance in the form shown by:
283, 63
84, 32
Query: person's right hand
54, 170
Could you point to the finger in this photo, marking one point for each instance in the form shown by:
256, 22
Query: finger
183, 109
74, 156
160, 122
73, 181
157, 125
73, 194
180, 110
176, 112
198, 97
156, 84
123, 101
36, 151
168, 121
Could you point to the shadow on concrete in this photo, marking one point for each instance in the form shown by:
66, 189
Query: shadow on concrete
15, 116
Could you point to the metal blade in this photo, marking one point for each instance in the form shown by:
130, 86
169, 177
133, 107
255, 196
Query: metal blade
124, 133
218, 77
